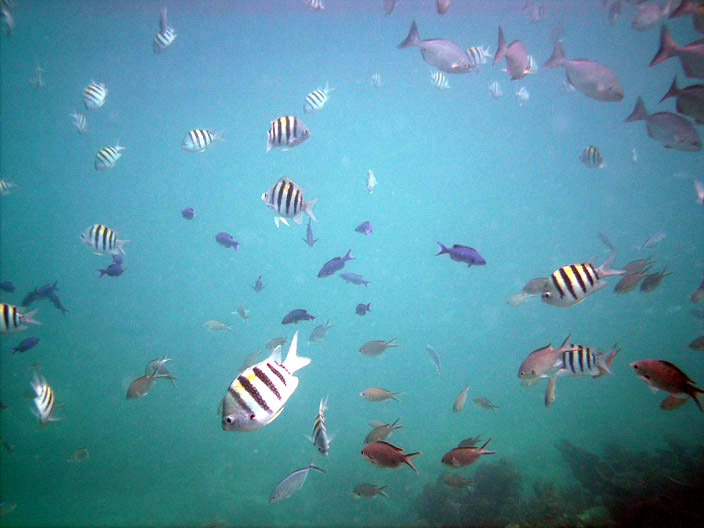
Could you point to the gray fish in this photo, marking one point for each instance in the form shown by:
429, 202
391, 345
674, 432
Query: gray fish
691, 56
673, 130
653, 280
319, 332
482, 402
276, 341
258, 286
354, 278
606, 241
377, 394
650, 15
690, 100
517, 61
295, 316
217, 326
630, 281
636, 266
79, 455
460, 400
140, 386
697, 344
472, 441
369, 491
589, 77
376, 347
443, 54
382, 431
244, 314
156, 368
310, 238
291, 483
550, 391
251, 359
433, 357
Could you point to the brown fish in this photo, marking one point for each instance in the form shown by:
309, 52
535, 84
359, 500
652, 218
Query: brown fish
374, 348
630, 282
698, 295
482, 402
540, 361
464, 456
384, 454
698, 343
460, 400
79, 455
382, 432
691, 56
653, 280
690, 100
517, 61
442, 6
687, 7
672, 402
660, 374
140, 387
453, 480
550, 392
636, 266
377, 394
369, 491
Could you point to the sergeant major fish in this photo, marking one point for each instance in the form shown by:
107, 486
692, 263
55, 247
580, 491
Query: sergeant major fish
165, 36
94, 95
103, 240
320, 433
286, 132
495, 90
522, 95
108, 156
592, 158
580, 360
285, 199
44, 402
79, 121
198, 139
13, 320
443, 54
478, 55
571, 284
316, 100
256, 397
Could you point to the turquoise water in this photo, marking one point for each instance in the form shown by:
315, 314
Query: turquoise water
454, 166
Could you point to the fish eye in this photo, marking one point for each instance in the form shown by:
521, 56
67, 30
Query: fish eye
533, 372
252, 416
546, 295
522, 373
229, 419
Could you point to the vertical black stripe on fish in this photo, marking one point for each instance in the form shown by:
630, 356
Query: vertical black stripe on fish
259, 373
582, 352
588, 273
239, 400
6, 315
253, 392
571, 358
589, 359
289, 195
557, 285
105, 238
289, 125
276, 373
279, 198
579, 277
279, 132
568, 282
595, 272
16, 317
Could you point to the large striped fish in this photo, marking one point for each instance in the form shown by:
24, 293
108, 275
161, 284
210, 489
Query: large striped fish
94, 95
103, 240
580, 360
285, 199
570, 284
320, 433
286, 131
258, 394
12, 320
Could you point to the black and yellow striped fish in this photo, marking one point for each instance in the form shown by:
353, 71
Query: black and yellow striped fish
570, 284
580, 360
256, 397
316, 99
285, 199
108, 156
198, 139
166, 35
286, 131
103, 240
12, 320
44, 401
592, 158
320, 433
94, 95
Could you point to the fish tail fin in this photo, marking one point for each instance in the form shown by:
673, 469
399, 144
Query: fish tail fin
121, 246
605, 269
500, 48
693, 391
218, 136
323, 406
29, 317
486, 444
674, 90
102, 272
668, 48
407, 460
564, 343
394, 394
604, 365
381, 492
443, 249
686, 7
609, 359
308, 208
293, 361
557, 58
413, 37
639, 112
348, 256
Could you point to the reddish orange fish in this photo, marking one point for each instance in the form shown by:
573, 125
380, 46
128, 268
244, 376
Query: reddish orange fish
672, 402
384, 454
464, 456
660, 374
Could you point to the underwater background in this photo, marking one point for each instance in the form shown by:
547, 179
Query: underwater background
454, 166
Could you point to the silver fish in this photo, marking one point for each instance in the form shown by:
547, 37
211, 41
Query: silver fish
550, 391
291, 483
381, 431
460, 400
443, 54
369, 491
433, 357
653, 240
517, 62
319, 332
377, 394
140, 386
310, 238
371, 181
376, 347
250, 359
589, 77
484, 403
672, 130
217, 326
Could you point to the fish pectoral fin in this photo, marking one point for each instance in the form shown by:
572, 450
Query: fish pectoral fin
283, 220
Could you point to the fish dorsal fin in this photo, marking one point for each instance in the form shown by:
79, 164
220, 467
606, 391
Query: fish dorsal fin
395, 447
276, 354
293, 361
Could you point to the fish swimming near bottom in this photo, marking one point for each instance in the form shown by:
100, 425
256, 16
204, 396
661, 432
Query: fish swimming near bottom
291, 483
660, 374
384, 454
464, 456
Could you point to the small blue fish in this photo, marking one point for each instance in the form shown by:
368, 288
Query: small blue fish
460, 253
225, 239
354, 278
188, 213
25, 345
362, 308
291, 483
113, 270
365, 228
258, 286
334, 265
7, 286
310, 238
295, 316
117, 259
